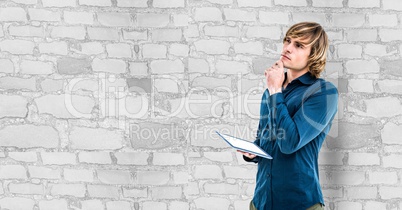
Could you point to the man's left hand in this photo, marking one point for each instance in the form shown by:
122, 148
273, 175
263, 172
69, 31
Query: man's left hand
275, 77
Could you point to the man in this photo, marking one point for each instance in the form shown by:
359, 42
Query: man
296, 114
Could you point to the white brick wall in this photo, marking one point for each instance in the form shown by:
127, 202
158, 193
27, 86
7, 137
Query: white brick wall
77, 77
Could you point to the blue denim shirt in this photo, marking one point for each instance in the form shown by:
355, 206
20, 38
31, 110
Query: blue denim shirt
293, 125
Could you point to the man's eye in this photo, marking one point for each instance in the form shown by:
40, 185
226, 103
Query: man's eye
299, 45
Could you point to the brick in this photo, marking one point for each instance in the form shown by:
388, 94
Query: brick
13, 14
92, 205
167, 35
332, 193
43, 172
138, 69
222, 2
17, 46
39, 136
231, 67
132, 158
169, 85
26, 1
348, 20
361, 85
167, 66
208, 14
149, 20
96, 3
72, 17
84, 85
374, 205
221, 31
135, 35
207, 172
109, 65
114, 176
389, 35
36, 67
179, 205
392, 5
114, 19
103, 191
390, 178
274, 17
213, 47
26, 188
118, 50
334, 35
219, 156
211, 203
180, 177
135, 193
166, 192
60, 204
143, 85
152, 177
56, 48
155, 135
90, 48
319, 18
23, 156
43, 15
349, 205
1, 32
191, 189
375, 50
170, 4
250, 48
197, 105
151, 205
381, 20
362, 66
73, 32
198, 65
78, 175
347, 178
255, 3
362, 35
180, 20
248, 86
103, 34
58, 3
118, 205
93, 139
239, 15
330, 158
237, 172
221, 188
13, 172
58, 158
364, 4
180, 50
95, 157
132, 3
73, 66
168, 159
191, 31
212, 82
65, 106
13, 106
26, 31
390, 192
392, 161
361, 159
50, 85
353, 136
349, 51
392, 67
14, 203
375, 107
154, 51
331, 3
7, 66
390, 86
271, 32
389, 134
296, 3
76, 190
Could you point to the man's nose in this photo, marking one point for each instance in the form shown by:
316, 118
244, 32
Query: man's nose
287, 48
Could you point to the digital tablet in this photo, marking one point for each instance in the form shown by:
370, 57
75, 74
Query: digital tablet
244, 145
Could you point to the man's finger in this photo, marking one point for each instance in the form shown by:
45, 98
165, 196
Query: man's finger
280, 63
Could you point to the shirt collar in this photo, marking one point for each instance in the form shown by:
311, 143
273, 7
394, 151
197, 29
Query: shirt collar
306, 78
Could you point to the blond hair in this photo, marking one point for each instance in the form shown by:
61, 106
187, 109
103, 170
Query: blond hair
317, 39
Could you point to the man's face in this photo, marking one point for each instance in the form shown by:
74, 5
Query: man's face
295, 54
